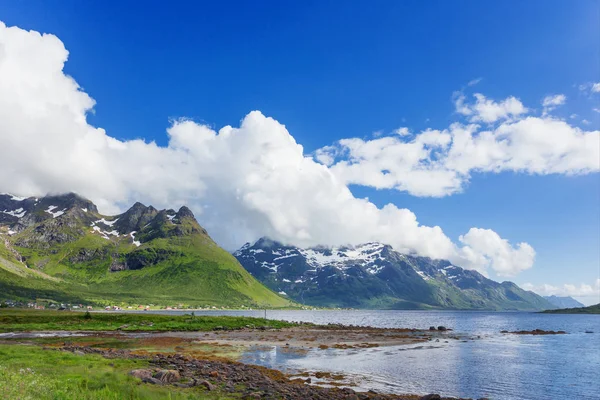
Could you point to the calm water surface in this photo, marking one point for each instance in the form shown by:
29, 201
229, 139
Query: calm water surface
495, 365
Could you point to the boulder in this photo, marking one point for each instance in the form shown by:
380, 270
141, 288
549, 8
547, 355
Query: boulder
167, 376
432, 328
206, 384
442, 328
151, 380
432, 396
141, 373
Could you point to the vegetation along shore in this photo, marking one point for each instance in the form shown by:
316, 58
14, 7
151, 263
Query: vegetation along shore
109, 355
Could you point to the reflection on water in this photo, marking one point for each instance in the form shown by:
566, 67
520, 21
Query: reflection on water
497, 366
503, 367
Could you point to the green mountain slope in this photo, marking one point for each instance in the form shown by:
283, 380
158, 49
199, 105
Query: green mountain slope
67, 250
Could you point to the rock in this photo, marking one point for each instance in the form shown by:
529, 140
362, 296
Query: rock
431, 397
213, 374
122, 327
442, 328
167, 375
589, 331
141, 373
432, 328
79, 353
153, 381
207, 385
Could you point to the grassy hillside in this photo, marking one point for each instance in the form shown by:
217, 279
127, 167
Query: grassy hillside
143, 256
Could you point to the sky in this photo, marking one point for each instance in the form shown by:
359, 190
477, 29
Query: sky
460, 130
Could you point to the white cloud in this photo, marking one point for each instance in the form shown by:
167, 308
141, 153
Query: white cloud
474, 82
590, 87
591, 292
403, 131
505, 259
242, 182
552, 101
440, 162
488, 111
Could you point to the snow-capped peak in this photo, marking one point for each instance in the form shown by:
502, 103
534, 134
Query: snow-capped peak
272, 254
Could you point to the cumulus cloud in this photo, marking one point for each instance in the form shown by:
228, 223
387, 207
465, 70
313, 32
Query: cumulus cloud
440, 162
591, 292
552, 101
505, 259
252, 180
486, 110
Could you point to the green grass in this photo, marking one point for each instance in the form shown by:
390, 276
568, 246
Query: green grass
196, 273
19, 320
28, 372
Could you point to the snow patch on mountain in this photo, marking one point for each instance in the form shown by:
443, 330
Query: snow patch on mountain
19, 212
55, 214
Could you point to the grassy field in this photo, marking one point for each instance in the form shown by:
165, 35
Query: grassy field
29, 372
19, 320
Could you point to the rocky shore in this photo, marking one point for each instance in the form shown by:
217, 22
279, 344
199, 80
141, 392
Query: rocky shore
327, 336
246, 381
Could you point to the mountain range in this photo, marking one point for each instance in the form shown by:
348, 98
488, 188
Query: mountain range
563, 302
61, 248
373, 275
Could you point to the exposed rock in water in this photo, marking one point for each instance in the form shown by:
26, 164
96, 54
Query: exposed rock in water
536, 332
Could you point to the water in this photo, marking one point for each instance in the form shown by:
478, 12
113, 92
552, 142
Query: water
498, 366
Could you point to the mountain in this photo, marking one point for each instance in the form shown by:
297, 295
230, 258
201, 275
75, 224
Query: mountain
62, 248
373, 275
563, 302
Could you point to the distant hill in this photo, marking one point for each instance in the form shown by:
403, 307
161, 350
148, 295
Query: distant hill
61, 248
595, 309
563, 302
373, 275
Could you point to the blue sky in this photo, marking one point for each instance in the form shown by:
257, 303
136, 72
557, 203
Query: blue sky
329, 70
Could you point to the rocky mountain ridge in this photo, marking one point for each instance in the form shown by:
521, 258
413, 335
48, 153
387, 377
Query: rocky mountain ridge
373, 275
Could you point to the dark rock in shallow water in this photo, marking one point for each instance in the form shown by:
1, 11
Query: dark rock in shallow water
431, 397
536, 332
442, 328
432, 328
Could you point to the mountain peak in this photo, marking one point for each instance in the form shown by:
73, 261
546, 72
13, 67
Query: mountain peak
185, 212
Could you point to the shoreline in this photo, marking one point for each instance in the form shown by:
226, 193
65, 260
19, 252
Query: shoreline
248, 380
